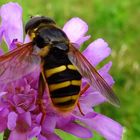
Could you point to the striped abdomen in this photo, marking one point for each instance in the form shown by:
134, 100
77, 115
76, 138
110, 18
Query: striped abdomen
64, 83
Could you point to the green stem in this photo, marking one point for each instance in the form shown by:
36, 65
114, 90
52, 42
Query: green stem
6, 134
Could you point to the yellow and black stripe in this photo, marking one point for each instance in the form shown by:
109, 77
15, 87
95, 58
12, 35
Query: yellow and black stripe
62, 77
64, 83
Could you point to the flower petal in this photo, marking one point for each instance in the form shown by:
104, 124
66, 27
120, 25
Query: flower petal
15, 135
12, 118
53, 137
34, 132
64, 120
27, 39
24, 122
77, 130
1, 94
105, 126
90, 100
40, 137
3, 119
27, 117
1, 52
82, 40
97, 51
104, 73
49, 124
11, 14
1, 34
75, 29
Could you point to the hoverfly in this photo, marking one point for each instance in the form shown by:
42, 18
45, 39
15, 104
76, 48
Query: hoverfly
62, 65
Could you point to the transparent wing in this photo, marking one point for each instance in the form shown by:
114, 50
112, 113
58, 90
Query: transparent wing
18, 63
91, 74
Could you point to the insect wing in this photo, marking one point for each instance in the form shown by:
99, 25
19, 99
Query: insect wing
91, 74
18, 63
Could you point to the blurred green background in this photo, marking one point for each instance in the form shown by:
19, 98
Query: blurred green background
118, 22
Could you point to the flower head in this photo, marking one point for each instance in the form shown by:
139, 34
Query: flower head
18, 109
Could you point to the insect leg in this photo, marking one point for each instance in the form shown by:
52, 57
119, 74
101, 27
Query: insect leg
79, 107
84, 89
41, 88
40, 100
81, 93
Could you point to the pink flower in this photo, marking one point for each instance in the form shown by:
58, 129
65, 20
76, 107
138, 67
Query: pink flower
18, 110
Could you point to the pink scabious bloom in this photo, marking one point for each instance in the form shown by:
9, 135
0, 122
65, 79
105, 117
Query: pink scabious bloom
18, 110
